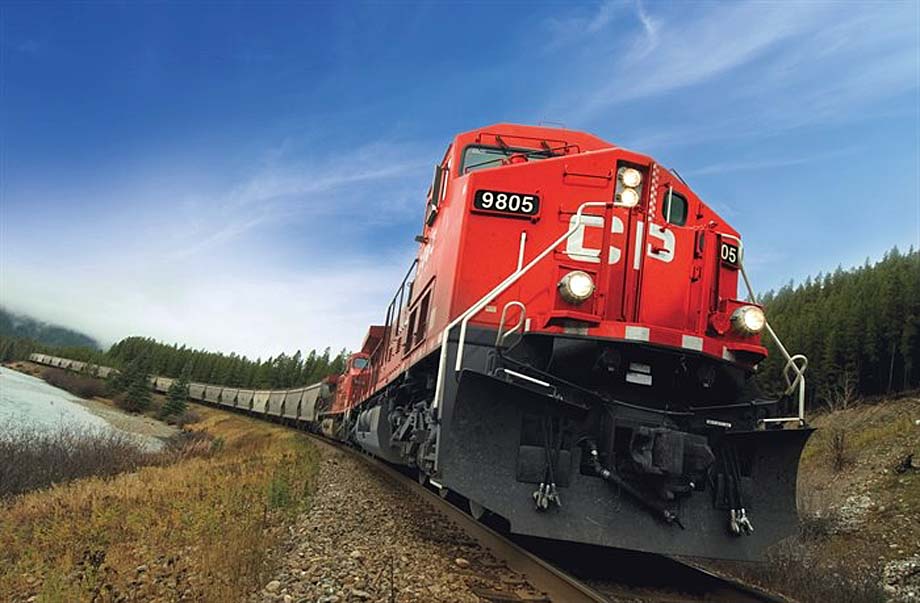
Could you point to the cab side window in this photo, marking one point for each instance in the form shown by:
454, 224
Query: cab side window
674, 208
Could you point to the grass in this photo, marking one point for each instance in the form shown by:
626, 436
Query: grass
200, 528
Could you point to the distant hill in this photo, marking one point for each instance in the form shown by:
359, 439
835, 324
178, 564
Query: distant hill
18, 325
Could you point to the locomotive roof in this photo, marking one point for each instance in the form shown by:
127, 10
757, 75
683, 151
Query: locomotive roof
484, 135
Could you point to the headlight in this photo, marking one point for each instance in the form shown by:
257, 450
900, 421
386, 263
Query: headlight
748, 320
628, 197
631, 177
576, 286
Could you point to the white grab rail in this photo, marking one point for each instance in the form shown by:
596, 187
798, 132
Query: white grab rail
463, 319
500, 337
796, 363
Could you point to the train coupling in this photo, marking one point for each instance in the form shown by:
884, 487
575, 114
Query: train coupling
739, 523
546, 495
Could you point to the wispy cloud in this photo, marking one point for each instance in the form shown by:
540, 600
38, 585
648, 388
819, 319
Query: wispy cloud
762, 164
590, 20
360, 183
791, 63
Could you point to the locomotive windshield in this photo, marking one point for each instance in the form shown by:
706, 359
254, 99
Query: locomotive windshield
477, 158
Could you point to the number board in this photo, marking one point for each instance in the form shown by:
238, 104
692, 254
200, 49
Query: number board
506, 203
729, 254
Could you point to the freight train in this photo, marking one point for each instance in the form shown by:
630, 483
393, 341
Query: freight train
569, 352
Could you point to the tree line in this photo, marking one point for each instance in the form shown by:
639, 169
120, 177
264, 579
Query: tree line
148, 356
278, 372
859, 328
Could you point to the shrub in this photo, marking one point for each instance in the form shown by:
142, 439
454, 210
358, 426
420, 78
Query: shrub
186, 418
840, 456
32, 458
79, 385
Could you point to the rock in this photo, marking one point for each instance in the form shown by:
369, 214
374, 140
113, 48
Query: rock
273, 586
347, 547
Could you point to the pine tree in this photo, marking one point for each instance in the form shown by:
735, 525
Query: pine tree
176, 398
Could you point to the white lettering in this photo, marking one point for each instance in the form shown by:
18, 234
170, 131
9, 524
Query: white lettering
616, 228
575, 244
665, 251
637, 257
662, 249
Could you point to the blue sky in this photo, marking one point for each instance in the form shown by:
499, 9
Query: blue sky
249, 177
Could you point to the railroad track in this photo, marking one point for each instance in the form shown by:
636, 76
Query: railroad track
552, 568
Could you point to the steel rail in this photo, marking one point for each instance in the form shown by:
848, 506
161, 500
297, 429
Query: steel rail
557, 585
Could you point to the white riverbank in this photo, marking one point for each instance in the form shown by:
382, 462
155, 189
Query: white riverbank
28, 401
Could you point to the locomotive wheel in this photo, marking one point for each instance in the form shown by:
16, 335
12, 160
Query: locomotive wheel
477, 510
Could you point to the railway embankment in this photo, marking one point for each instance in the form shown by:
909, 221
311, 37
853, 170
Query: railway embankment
859, 497
366, 538
201, 525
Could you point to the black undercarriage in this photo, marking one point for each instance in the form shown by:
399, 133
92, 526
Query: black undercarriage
601, 442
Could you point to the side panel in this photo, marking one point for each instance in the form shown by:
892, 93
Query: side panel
308, 402
244, 399
163, 384
292, 403
228, 396
196, 391
212, 393
276, 402
260, 401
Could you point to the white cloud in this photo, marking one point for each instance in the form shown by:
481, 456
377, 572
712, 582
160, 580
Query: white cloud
209, 270
253, 312
760, 164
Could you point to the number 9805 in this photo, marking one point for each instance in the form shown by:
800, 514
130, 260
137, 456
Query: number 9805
506, 202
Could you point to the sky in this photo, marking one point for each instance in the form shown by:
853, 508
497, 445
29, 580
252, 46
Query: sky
249, 177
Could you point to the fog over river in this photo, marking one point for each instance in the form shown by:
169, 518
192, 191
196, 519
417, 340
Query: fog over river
29, 402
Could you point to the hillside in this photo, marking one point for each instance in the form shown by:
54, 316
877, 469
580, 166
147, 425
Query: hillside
859, 501
25, 327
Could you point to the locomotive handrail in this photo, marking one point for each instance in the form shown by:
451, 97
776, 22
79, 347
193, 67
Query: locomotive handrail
500, 337
796, 363
463, 318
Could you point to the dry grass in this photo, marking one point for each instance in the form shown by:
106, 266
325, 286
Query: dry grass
199, 529
35, 458
840, 456
857, 512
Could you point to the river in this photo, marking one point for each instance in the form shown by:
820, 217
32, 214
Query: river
29, 402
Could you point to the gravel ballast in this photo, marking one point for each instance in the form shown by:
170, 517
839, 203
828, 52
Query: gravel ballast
366, 538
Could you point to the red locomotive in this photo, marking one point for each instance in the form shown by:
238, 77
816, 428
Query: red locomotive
568, 351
